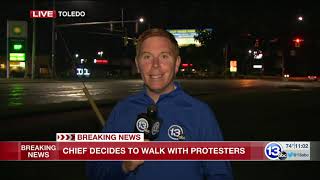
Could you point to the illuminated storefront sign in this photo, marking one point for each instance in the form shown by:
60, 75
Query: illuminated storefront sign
257, 66
185, 37
101, 61
233, 66
83, 72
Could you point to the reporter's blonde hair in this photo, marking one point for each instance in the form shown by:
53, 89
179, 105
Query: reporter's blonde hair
159, 33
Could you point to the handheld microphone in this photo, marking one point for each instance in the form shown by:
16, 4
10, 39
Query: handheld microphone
148, 123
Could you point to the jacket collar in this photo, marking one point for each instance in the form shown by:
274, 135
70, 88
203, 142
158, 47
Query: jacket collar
173, 93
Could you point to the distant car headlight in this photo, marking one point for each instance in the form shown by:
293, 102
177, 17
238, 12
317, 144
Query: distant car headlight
312, 77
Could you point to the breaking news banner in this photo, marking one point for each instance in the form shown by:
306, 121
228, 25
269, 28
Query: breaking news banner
131, 146
100, 137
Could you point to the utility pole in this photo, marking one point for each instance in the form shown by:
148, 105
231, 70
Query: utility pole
53, 39
226, 61
282, 64
123, 39
33, 43
137, 27
122, 24
7, 56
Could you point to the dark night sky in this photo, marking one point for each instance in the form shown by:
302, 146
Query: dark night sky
264, 18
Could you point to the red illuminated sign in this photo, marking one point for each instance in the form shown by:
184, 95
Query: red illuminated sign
187, 65
101, 61
43, 14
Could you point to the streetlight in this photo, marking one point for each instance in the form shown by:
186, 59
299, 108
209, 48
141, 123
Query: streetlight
100, 53
300, 18
141, 20
76, 55
111, 23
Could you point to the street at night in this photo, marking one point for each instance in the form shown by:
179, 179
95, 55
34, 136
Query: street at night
22, 95
246, 110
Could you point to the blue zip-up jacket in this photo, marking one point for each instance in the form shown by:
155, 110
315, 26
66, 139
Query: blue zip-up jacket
181, 114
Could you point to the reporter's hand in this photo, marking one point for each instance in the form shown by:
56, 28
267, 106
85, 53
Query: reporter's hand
128, 166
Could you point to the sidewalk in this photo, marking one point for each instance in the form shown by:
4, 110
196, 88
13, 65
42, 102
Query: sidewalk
22, 80
272, 78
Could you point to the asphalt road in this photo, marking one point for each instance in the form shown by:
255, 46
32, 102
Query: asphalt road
247, 110
19, 94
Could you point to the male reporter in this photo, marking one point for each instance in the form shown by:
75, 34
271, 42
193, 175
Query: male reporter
183, 117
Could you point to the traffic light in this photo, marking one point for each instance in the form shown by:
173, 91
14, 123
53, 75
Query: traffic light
297, 41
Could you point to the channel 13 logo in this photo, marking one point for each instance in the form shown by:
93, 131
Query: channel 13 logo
274, 151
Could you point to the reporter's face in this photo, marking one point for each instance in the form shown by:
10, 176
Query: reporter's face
158, 64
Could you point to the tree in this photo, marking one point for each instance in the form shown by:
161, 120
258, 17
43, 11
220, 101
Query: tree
211, 48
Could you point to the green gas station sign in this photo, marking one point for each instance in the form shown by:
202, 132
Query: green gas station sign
17, 56
17, 49
17, 35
